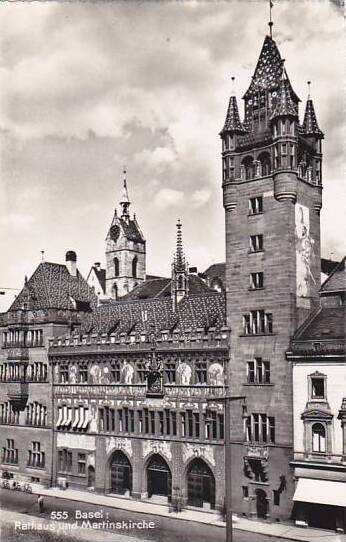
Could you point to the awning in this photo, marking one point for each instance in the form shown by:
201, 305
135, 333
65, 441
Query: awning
86, 418
76, 417
81, 418
320, 492
69, 416
64, 419
58, 423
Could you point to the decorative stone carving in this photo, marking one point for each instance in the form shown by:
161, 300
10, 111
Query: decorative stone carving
123, 444
191, 451
157, 447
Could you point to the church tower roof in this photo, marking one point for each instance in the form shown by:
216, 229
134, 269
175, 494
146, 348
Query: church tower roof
268, 71
310, 125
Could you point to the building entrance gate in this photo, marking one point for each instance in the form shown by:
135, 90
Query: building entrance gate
200, 484
121, 473
159, 477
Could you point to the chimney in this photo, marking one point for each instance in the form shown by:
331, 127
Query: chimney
71, 262
193, 271
97, 265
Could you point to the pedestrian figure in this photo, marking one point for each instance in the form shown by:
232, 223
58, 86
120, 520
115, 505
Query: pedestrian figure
40, 503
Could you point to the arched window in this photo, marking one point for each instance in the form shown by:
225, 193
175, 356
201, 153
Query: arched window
134, 266
318, 438
116, 267
264, 158
249, 167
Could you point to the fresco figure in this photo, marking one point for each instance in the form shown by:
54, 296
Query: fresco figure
215, 374
184, 373
304, 251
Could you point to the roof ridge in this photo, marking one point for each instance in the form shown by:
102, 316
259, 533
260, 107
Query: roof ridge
332, 273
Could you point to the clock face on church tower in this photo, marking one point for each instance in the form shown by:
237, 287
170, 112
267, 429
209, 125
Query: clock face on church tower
115, 232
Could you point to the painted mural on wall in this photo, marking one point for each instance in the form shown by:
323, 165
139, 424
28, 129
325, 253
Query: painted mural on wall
184, 373
216, 374
304, 251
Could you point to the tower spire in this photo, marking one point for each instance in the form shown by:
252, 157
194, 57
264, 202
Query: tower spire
179, 255
125, 200
180, 279
270, 24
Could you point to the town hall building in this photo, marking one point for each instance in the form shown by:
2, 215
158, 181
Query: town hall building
113, 384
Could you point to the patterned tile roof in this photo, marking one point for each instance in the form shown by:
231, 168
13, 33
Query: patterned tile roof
268, 70
131, 230
310, 125
284, 105
161, 287
193, 311
336, 282
232, 122
52, 286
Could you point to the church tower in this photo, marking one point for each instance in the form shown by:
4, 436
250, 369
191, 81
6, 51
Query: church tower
272, 184
125, 251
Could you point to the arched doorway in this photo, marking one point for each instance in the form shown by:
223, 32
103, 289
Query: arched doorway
200, 484
261, 504
121, 473
91, 476
159, 477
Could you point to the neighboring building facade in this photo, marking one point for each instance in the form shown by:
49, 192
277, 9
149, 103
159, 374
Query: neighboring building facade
53, 301
318, 357
272, 186
130, 391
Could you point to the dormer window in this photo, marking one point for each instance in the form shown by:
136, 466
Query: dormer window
317, 386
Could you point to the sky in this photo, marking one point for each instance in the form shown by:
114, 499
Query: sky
87, 88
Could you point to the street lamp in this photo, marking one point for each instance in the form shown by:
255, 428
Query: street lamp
226, 400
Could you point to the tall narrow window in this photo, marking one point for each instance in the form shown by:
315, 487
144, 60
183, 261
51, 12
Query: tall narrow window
116, 267
318, 438
256, 243
256, 205
256, 280
134, 266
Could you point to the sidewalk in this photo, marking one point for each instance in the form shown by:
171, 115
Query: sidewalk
285, 531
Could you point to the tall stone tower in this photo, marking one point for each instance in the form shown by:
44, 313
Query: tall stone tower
125, 251
272, 198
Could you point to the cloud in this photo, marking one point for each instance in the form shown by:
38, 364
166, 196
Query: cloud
200, 197
168, 197
144, 84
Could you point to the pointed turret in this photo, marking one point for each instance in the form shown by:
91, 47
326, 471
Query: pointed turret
310, 125
285, 106
180, 279
233, 123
